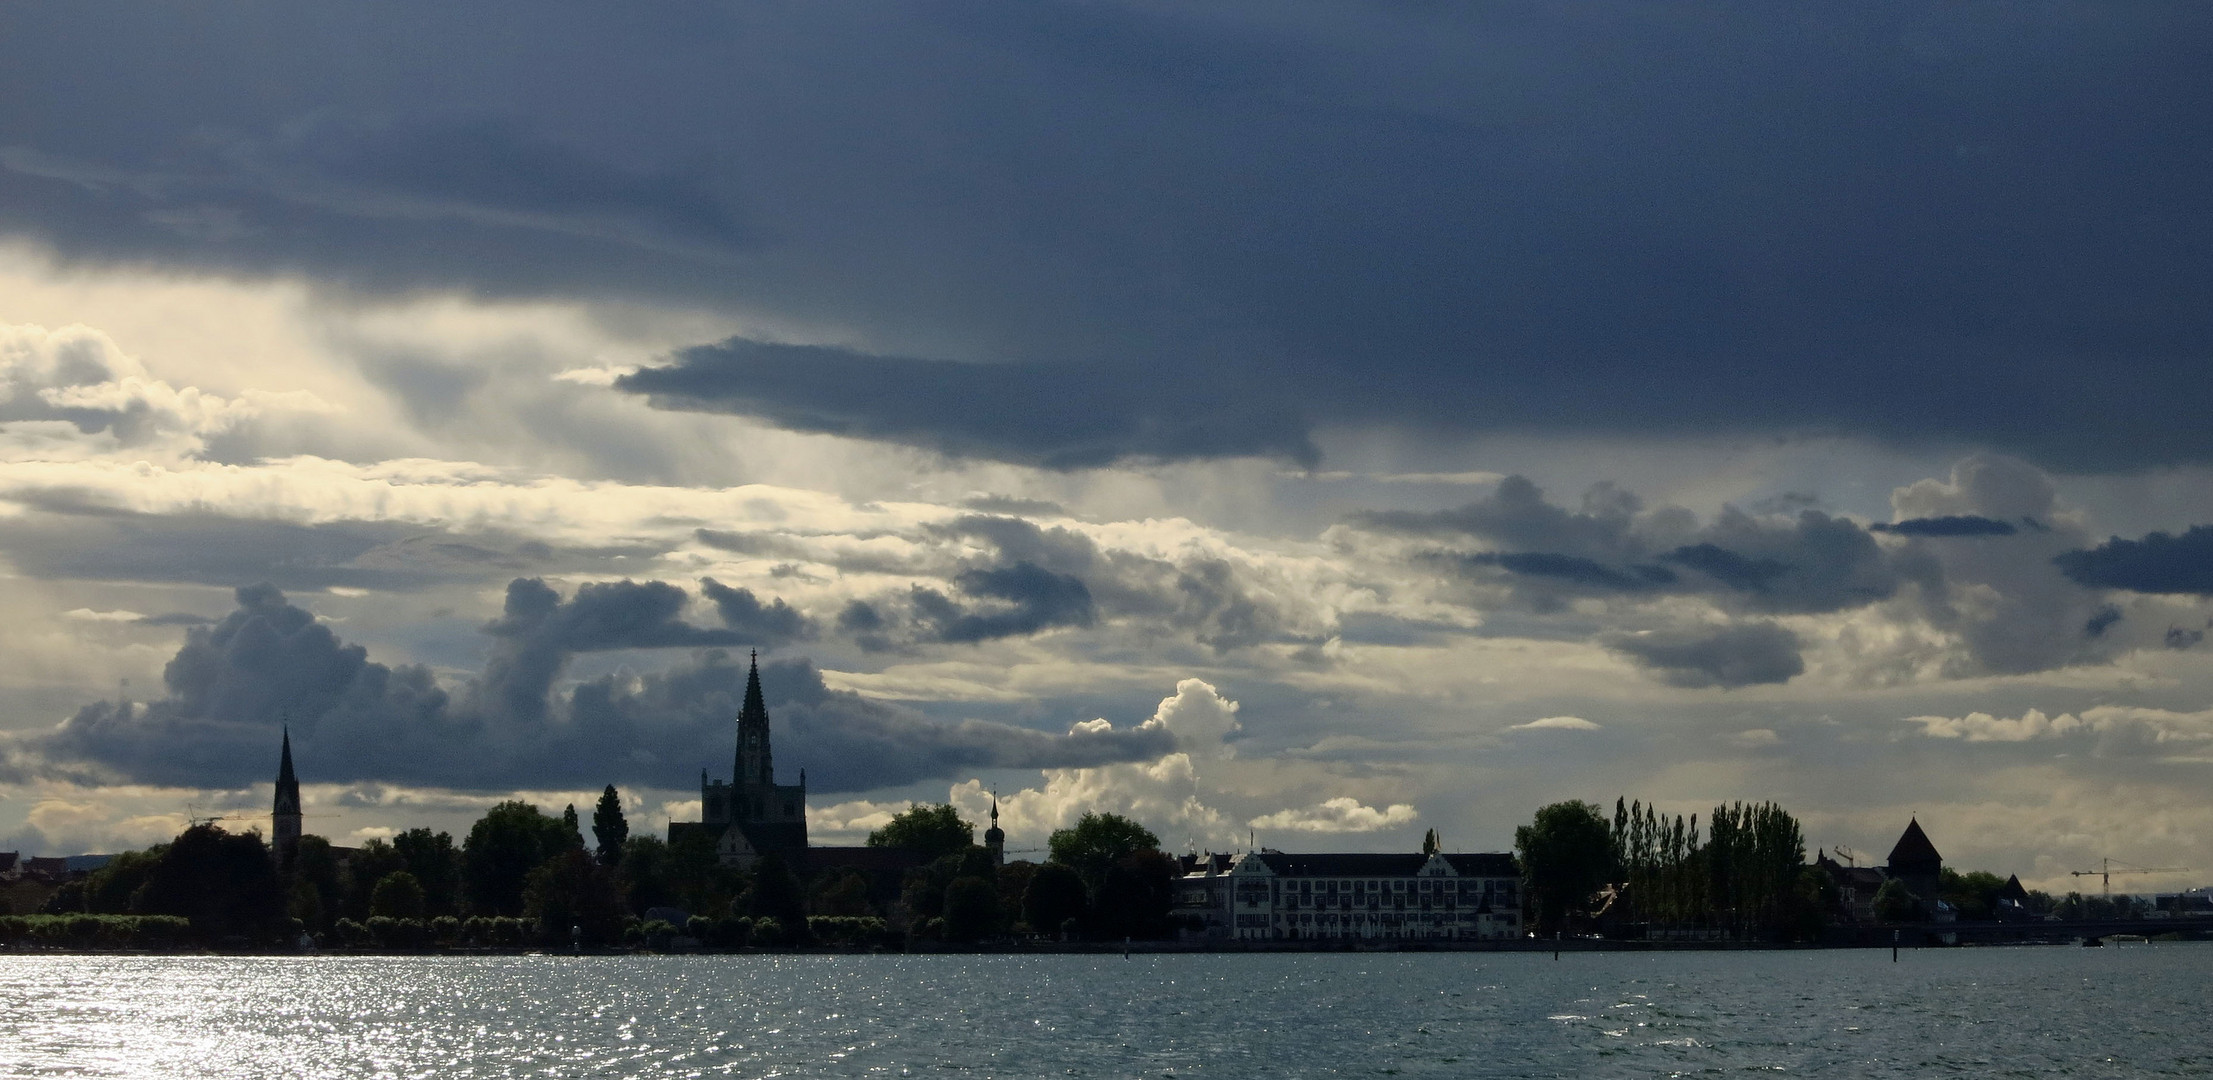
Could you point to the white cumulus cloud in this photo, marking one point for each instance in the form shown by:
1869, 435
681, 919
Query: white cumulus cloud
1343, 814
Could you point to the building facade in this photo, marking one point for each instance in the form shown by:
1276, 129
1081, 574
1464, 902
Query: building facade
751, 815
1275, 896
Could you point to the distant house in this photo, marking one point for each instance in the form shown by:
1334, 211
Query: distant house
11, 865
1855, 887
1201, 904
1275, 896
2012, 902
53, 871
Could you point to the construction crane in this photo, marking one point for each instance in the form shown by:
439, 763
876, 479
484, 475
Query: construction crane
2105, 871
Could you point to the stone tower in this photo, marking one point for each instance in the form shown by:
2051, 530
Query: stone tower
995, 839
284, 820
1915, 863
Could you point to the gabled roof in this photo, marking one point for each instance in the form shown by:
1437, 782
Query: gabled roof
1913, 847
2013, 889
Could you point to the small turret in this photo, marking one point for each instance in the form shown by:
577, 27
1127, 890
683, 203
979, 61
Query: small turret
995, 839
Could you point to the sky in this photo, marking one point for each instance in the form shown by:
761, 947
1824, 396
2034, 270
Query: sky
1304, 424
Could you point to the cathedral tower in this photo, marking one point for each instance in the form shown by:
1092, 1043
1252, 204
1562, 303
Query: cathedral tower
752, 815
284, 820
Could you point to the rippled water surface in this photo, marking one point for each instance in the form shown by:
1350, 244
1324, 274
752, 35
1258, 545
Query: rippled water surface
2121, 1011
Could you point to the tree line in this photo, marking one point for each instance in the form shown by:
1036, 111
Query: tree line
522, 877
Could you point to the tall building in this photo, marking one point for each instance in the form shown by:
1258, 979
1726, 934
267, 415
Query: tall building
751, 815
1914, 863
284, 819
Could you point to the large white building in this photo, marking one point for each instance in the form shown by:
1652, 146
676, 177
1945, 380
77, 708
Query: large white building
1274, 896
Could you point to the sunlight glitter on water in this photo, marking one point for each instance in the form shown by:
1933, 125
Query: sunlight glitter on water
1962, 1012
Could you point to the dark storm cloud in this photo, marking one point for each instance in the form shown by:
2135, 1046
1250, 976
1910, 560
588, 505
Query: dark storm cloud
767, 625
1952, 525
1808, 563
1029, 579
1059, 417
1575, 570
2100, 621
1743, 655
61, 536
1176, 232
2159, 563
1030, 599
355, 720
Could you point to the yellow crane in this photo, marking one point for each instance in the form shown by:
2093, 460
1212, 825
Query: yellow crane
2105, 871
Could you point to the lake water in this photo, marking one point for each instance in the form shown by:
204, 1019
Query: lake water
2139, 1010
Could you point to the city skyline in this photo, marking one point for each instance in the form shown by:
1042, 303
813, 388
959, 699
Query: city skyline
1323, 422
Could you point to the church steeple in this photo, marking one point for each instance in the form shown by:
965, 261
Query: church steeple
284, 817
995, 839
754, 765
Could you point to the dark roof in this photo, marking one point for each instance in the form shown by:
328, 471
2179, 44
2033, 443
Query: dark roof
1485, 864
2013, 889
1914, 849
1382, 864
7, 860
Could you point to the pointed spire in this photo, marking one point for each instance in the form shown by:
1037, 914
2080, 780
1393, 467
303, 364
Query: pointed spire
756, 710
288, 783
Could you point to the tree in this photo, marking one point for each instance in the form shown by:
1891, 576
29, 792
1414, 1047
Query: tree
226, 883
398, 896
1134, 897
971, 909
1056, 895
572, 829
643, 873
1431, 843
368, 865
1894, 903
572, 889
843, 891
436, 864
1567, 855
503, 847
776, 895
317, 872
1096, 842
932, 831
609, 827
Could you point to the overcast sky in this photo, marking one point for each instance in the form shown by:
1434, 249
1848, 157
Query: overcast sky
1311, 422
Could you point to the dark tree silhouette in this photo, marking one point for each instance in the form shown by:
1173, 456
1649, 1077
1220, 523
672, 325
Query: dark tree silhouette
225, 883
1056, 895
503, 847
436, 864
1096, 842
609, 827
1567, 855
971, 909
933, 831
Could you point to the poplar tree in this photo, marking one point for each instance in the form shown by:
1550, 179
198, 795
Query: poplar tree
609, 827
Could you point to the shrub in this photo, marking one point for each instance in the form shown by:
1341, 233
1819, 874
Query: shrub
351, 934
477, 930
699, 926
445, 930
732, 932
14, 928
767, 932
657, 933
